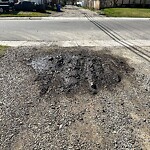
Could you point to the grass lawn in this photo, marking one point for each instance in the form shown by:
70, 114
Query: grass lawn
127, 12
25, 14
2, 50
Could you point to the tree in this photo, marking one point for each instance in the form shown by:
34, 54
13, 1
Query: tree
115, 3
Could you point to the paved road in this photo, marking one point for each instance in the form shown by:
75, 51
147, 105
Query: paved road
80, 30
75, 26
50, 30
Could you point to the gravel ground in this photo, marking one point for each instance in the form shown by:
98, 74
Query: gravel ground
115, 118
74, 11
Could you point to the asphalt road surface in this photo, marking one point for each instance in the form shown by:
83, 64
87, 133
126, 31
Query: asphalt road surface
72, 29
84, 27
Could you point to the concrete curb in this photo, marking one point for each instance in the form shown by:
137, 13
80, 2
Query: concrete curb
69, 18
92, 43
40, 18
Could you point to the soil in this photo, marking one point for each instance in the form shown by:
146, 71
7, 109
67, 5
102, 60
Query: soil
72, 99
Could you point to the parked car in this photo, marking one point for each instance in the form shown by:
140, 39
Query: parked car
29, 6
79, 4
6, 6
25, 6
40, 7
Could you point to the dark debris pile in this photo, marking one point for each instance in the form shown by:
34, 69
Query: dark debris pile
72, 71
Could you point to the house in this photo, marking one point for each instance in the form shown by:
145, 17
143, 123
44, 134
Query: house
98, 4
37, 1
91, 4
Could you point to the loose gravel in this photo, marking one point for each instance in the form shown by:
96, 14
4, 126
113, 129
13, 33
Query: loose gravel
74, 11
116, 117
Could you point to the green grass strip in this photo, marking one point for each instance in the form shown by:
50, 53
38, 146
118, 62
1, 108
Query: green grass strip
25, 14
127, 12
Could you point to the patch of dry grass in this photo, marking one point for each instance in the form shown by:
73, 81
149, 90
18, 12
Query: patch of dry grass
3, 50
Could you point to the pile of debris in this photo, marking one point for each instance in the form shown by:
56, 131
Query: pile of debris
72, 71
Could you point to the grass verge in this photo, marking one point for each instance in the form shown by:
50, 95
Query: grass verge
2, 50
127, 12
25, 14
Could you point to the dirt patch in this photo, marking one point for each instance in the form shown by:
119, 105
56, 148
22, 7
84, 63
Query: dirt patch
71, 71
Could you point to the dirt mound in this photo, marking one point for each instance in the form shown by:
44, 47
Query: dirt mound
72, 71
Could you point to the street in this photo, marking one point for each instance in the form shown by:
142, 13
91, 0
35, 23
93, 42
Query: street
74, 27
76, 30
